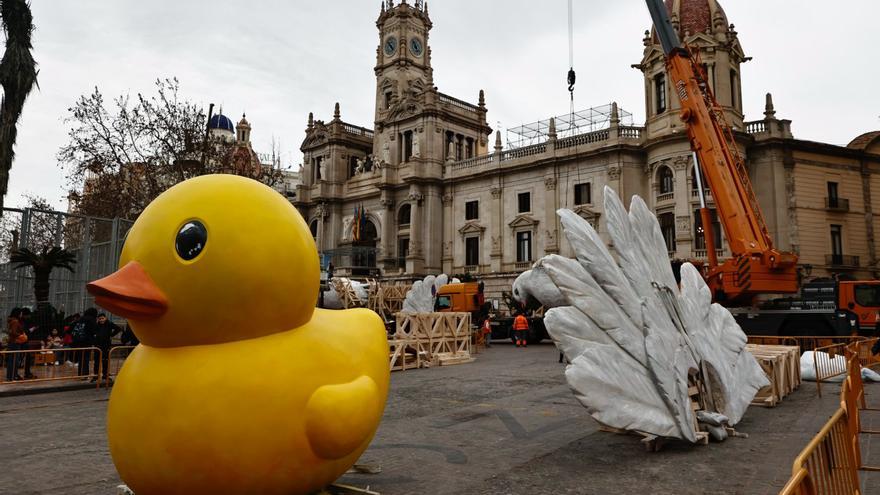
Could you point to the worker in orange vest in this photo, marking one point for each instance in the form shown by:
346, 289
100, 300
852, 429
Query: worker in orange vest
521, 330
486, 330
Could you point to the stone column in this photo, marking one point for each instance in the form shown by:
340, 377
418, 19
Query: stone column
448, 232
415, 261
551, 204
684, 224
497, 229
432, 233
389, 239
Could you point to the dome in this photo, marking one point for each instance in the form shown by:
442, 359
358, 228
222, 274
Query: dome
696, 16
222, 122
868, 142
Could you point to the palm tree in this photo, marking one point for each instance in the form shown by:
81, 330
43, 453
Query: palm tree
43, 263
18, 76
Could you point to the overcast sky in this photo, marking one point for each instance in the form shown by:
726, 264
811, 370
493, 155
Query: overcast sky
278, 60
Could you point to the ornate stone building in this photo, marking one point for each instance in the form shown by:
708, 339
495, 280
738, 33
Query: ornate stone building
437, 200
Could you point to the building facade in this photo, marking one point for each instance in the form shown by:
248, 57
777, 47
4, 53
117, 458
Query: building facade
429, 190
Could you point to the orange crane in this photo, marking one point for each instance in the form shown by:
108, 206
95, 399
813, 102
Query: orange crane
756, 267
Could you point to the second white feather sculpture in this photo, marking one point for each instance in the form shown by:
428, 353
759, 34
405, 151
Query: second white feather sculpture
636, 341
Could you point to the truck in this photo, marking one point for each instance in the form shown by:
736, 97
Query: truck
756, 269
468, 297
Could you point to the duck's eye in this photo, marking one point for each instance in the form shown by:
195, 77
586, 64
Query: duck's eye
191, 240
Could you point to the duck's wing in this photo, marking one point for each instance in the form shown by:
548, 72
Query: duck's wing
340, 418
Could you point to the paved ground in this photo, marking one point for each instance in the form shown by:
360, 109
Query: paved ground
506, 424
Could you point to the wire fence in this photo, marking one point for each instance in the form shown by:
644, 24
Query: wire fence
96, 243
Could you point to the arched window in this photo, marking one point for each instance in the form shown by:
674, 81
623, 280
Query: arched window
313, 228
403, 215
666, 180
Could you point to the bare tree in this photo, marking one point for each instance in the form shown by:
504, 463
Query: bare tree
18, 76
123, 157
44, 229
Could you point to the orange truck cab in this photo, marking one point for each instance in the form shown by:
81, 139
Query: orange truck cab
861, 297
465, 297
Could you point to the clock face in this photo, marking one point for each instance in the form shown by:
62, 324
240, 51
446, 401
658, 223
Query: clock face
415, 46
390, 46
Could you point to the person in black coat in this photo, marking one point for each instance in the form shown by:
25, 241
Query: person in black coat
83, 332
105, 330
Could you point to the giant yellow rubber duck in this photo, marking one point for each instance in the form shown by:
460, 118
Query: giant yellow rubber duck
240, 385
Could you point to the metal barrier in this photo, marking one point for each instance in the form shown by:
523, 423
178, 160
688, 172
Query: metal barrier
806, 343
115, 359
43, 371
831, 462
828, 367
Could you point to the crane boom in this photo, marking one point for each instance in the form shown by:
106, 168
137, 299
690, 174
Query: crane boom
756, 266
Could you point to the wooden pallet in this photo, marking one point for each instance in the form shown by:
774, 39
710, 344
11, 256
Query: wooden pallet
781, 364
435, 338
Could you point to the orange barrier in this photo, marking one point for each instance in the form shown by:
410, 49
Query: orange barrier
830, 367
806, 343
831, 462
44, 371
115, 359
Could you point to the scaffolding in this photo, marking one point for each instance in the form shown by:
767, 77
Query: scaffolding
570, 124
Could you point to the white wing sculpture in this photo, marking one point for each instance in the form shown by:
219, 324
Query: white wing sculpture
635, 341
420, 299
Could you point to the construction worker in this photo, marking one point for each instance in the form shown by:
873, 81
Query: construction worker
521, 330
486, 330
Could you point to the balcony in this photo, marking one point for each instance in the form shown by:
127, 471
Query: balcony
522, 266
837, 204
695, 194
704, 253
841, 261
662, 198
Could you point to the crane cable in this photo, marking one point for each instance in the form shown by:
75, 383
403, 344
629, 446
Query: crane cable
571, 74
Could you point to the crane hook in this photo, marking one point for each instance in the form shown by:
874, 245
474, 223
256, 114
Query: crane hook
571, 79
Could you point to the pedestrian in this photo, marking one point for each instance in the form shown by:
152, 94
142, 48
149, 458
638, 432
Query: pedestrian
16, 339
128, 337
521, 330
66, 344
83, 332
54, 344
105, 330
35, 337
487, 331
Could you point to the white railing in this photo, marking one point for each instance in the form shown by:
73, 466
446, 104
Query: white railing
665, 197
357, 131
756, 127
458, 103
629, 132
588, 138
695, 193
473, 162
513, 154
704, 253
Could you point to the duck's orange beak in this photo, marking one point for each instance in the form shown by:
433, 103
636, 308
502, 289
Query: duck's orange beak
129, 292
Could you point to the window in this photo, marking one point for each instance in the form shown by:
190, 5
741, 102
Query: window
472, 210
582, 194
407, 146
833, 197
316, 165
694, 184
660, 93
524, 246
313, 228
666, 180
837, 242
733, 89
352, 166
524, 201
469, 148
459, 148
472, 251
667, 228
388, 99
402, 250
700, 239
404, 215
867, 295
443, 302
